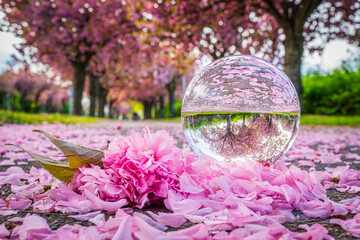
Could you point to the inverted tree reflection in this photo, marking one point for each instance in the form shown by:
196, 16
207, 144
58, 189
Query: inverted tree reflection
262, 137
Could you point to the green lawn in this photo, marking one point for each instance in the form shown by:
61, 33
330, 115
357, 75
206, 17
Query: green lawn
330, 120
30, 118
175, 119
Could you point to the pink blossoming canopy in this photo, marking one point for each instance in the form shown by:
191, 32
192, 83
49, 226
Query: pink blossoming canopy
241, 108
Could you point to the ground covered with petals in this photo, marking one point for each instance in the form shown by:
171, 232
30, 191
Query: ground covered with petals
152, 186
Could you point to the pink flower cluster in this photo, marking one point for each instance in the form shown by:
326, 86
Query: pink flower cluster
137, 168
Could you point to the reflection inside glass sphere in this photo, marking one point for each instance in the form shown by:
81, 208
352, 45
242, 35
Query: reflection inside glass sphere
262, 137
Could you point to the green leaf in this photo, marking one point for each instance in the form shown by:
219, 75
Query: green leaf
59, 170
76, 155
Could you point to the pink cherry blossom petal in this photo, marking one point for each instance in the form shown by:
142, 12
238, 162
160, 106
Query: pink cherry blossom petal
98, 220
19, 204
85, 217
169, 219
124, 230
7, 212
107, 206
316, 208
33, 227
146, 232
150, 221
2, 203
351, 226
3, 231
198, 231
187, 184
315, 232
306, 163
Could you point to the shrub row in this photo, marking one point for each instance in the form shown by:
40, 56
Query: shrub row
336, 93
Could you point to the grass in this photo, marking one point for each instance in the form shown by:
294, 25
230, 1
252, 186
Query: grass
175, 119
30, 118
309, 119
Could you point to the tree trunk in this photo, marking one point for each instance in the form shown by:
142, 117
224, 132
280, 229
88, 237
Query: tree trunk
43, 107
94, 81
48, 105
110, 115
156, 109
112, 112
63, 106
147, 109
171, 90
7, 101
78, 81
162, 106
102, 100
22, 103
294, 48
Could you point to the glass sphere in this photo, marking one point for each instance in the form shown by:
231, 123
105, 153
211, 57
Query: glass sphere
241, 108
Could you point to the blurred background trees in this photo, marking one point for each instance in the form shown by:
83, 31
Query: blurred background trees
23, 90
117, 52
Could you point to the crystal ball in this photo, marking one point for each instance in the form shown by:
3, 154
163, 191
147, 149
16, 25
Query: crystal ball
239, 109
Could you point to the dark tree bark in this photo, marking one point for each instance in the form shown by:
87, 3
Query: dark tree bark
156, 109
112, 112
22, 103
102, 100
147, 109
171, 87
94, 82
48, 105
161, 106
78, 81
294, 48
7, 101
63, 106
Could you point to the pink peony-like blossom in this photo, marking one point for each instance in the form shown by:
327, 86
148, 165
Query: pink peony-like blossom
140, 168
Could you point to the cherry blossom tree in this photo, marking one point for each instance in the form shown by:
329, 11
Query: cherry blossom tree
29, 86
170, 64
6, 81
74, 31
110, 68
277, 30
301, 22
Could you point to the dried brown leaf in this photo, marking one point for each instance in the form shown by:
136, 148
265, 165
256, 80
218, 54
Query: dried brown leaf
58, 169
76, 155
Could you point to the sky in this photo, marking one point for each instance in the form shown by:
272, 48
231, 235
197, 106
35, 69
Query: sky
334, 53
7, 40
